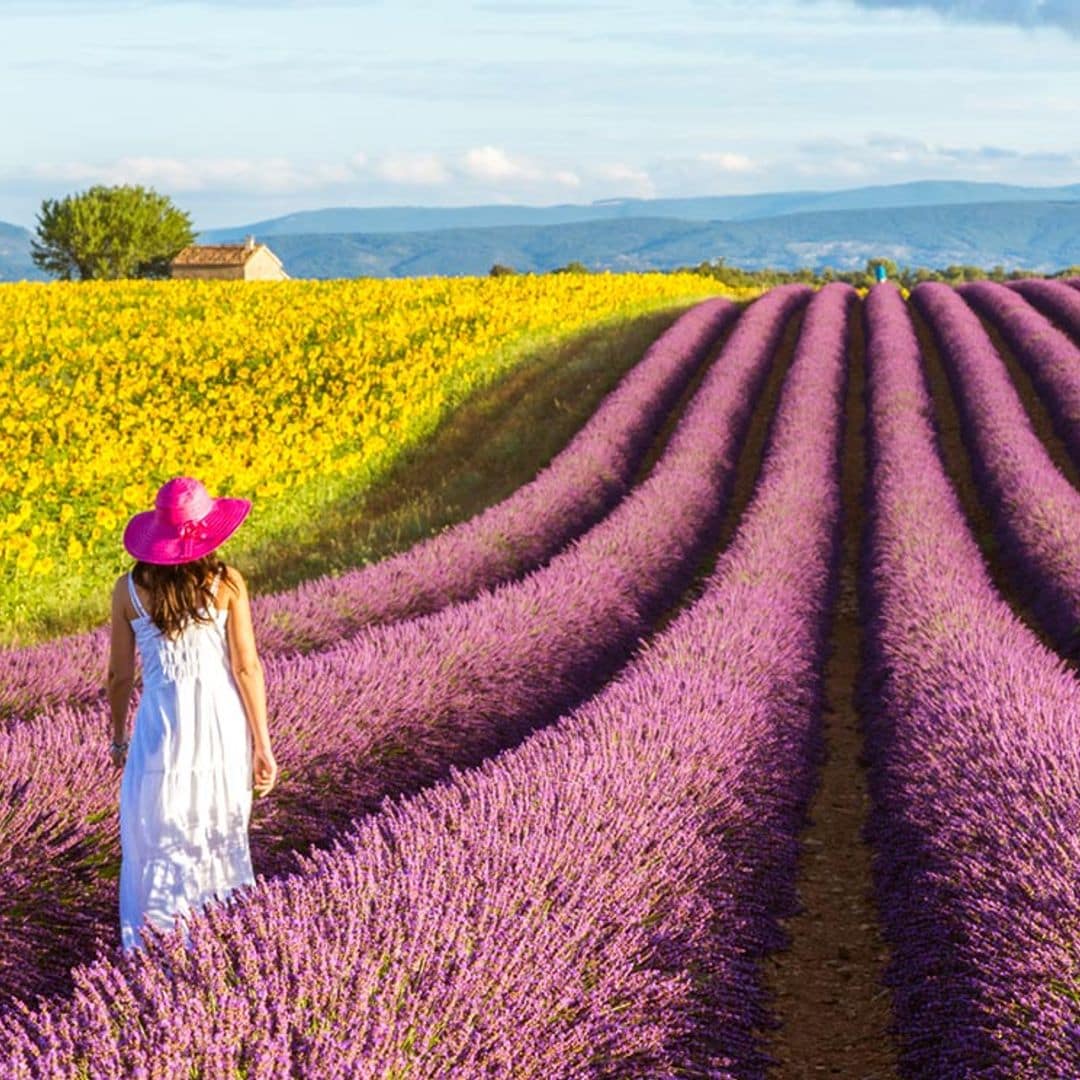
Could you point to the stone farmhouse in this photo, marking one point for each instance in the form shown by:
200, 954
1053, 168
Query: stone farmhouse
240, 262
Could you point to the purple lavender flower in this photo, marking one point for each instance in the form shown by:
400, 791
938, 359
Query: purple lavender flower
591, 903
1036, 510
973, 734
1052, 298
571, 494
394, 707
1049, 356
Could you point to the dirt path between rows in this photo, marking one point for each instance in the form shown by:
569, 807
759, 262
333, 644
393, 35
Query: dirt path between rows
750, 456
1034, 406
827, 988
1007, 577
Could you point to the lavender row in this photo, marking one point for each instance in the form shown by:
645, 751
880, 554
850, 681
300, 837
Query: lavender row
1053, 298
574, 491
593, 903
1049, 356
973, 738
396, 706
1036, 510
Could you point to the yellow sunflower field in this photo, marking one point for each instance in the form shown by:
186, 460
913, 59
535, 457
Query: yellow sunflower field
280, 392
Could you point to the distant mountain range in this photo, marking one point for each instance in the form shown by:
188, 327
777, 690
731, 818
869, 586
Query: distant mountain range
929, 223
383, 219
15, 260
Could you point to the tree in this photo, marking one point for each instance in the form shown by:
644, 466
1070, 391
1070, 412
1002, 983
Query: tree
110, 232
891, 269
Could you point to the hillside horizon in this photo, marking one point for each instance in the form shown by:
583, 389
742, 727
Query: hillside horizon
746, 207
929, 223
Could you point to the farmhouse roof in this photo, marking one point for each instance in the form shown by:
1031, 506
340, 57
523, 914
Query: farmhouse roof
220, 254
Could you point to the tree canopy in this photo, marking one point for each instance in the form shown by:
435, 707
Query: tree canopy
123, 231
906, 276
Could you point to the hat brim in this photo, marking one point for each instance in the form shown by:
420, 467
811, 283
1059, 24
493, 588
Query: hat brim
147, 539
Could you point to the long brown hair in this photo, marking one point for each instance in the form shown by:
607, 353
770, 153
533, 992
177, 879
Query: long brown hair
179, 593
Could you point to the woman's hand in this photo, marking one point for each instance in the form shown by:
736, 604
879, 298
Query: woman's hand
264, 770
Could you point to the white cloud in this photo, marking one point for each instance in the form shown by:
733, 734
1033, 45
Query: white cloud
727, 162
485, 172
274, 175
835, 168
491, 165
492, 174
494, 165
879, 152
630, 180
419, 169
887, 158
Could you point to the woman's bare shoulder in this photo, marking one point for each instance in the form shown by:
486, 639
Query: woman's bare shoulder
120, 587
121, 597
234, 580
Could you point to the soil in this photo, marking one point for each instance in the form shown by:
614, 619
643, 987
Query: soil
1038, 413
826, 988
750, 456
827, 992
956, 457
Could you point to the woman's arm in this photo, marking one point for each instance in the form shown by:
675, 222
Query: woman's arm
120, 677
244, 660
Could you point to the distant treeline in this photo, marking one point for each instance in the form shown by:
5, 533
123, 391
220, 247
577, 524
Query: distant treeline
906, 276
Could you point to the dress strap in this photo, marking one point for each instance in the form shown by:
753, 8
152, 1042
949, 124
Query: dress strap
214, 583
136, 602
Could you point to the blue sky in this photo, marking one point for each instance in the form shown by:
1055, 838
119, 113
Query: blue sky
244, 109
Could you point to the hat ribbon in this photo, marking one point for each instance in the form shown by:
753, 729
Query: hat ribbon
192, 530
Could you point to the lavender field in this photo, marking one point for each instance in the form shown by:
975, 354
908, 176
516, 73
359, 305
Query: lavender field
551, 801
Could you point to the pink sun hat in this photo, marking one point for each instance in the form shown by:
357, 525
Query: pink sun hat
185, 524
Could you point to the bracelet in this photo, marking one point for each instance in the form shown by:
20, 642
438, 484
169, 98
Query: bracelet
119, 745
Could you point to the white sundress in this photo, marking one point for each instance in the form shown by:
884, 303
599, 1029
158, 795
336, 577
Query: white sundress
185, 793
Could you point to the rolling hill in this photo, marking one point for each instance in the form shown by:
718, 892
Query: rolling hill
931, 223
381, 219
1037, 236
15, 263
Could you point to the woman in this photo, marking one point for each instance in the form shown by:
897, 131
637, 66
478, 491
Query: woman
185, 793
